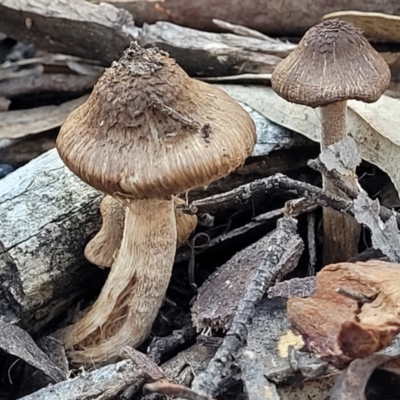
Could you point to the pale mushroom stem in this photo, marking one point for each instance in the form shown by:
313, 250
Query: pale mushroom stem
334, 123
341, 232
134, 291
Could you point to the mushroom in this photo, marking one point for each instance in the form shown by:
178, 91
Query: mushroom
147, 131
333, 63
103, 247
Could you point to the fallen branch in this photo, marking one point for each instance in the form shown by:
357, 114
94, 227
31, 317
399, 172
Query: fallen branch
291, 18
283, 244
99, 32
281, 183
100, 384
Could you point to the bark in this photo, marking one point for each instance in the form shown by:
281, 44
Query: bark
76, 27
101, 384
47, 215
215, 54
280, 18
278, 256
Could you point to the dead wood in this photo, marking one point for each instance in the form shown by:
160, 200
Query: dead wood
268, 365
4, 103
39, 83
47, 215
100, 384
281, 252
159, 348
218, 298
354, 312
296, 287
291, 18
281, 183
17, 342
19, 123
181, 368
215, 54
18, 152
99, 32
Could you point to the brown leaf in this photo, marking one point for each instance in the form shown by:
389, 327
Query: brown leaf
360, 340
338, 327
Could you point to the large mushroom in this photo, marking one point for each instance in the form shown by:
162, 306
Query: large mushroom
333, 63
148, 131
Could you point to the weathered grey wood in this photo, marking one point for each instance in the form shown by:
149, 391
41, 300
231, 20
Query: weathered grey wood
75, 27
19, 123
46, 217
103, 383
278, 256
263, 365
280, 18
213, 54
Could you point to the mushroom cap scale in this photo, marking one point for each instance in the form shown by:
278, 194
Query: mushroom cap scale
149, 130
332, 62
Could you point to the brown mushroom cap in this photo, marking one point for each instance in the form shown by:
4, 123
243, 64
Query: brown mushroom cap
149, 130
333, 62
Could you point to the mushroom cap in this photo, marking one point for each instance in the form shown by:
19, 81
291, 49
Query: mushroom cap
149, 130
333, 62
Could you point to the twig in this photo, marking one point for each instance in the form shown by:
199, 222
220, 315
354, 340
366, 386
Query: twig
150, 369
275, 183
358, 297
284, 243
242, 78
269, 215
242, 30
172, 389
100, 384
312, 251
334, 176
159, 347
170, 112
184, 255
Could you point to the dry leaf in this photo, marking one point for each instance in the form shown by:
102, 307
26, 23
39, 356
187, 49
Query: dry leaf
374, 126
15, 341
339, 328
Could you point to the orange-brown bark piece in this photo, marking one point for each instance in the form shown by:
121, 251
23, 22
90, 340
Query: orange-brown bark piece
338, 327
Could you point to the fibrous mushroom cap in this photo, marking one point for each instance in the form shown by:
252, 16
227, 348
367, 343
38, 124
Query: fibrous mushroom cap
333, 62
149, 130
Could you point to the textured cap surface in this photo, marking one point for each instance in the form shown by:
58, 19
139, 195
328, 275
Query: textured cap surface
333, 62
149, 130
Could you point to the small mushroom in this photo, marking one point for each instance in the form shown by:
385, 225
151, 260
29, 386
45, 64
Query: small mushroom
104, 246
147, 131
333, 63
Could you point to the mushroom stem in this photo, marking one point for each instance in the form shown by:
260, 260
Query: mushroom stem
341, 232
134, 291
334, 123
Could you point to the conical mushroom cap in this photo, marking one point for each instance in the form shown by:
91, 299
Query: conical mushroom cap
149, 130
333, 62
